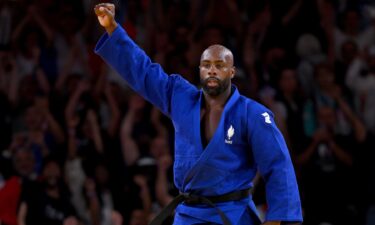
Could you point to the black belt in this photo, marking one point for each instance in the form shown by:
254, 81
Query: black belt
192, 199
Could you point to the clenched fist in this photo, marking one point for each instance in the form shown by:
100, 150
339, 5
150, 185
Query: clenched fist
106, 16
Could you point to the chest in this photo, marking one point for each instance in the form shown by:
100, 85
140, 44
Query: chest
223, 129
209, 122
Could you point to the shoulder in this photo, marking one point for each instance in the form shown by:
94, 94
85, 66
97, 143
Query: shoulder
258, 117
254, 108
181, 84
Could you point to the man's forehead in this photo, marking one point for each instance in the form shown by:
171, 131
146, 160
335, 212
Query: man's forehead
217, 53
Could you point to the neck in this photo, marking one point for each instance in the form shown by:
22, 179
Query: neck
217, 101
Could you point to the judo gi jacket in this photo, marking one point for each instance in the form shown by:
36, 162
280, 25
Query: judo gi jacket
246, 140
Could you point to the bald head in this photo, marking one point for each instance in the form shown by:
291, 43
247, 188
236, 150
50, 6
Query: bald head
218, 50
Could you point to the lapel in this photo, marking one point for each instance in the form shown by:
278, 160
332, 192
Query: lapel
216, 141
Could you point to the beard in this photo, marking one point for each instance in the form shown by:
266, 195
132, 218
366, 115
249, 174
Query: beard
221, 86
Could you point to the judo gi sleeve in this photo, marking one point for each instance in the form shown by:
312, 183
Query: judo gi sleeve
131, 62
273, 161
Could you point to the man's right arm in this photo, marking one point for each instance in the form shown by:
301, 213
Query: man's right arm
121, 53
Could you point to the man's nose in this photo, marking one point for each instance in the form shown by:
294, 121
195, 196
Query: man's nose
212, 70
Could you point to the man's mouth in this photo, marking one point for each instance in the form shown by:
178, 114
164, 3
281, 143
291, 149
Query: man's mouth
212, 82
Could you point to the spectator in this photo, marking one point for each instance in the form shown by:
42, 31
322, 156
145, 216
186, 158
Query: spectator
46, 201
361, 80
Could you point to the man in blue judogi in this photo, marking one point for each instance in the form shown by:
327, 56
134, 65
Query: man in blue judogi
221, 138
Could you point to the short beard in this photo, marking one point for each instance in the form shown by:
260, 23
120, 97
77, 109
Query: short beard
215, 91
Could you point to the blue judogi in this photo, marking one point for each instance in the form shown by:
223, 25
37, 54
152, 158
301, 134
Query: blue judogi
246, 141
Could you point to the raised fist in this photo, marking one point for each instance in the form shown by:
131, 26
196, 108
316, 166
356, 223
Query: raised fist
106, 16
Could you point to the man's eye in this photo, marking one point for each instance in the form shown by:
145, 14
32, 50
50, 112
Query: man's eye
219, 66
206, 66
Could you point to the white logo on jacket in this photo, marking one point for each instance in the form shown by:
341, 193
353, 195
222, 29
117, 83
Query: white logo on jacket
230, 134
266, 117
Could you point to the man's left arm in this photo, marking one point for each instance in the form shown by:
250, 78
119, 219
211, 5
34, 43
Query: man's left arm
273, 161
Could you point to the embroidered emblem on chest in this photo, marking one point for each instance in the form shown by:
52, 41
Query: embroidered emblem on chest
230, 134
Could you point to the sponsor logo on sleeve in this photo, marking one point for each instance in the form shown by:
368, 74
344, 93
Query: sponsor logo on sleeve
267, 117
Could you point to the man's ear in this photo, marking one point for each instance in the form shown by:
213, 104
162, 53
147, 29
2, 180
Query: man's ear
233, 72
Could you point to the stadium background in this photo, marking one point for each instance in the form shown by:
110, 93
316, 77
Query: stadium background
78, 147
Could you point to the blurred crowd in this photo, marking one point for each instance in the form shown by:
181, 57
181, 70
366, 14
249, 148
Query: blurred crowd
77, 146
